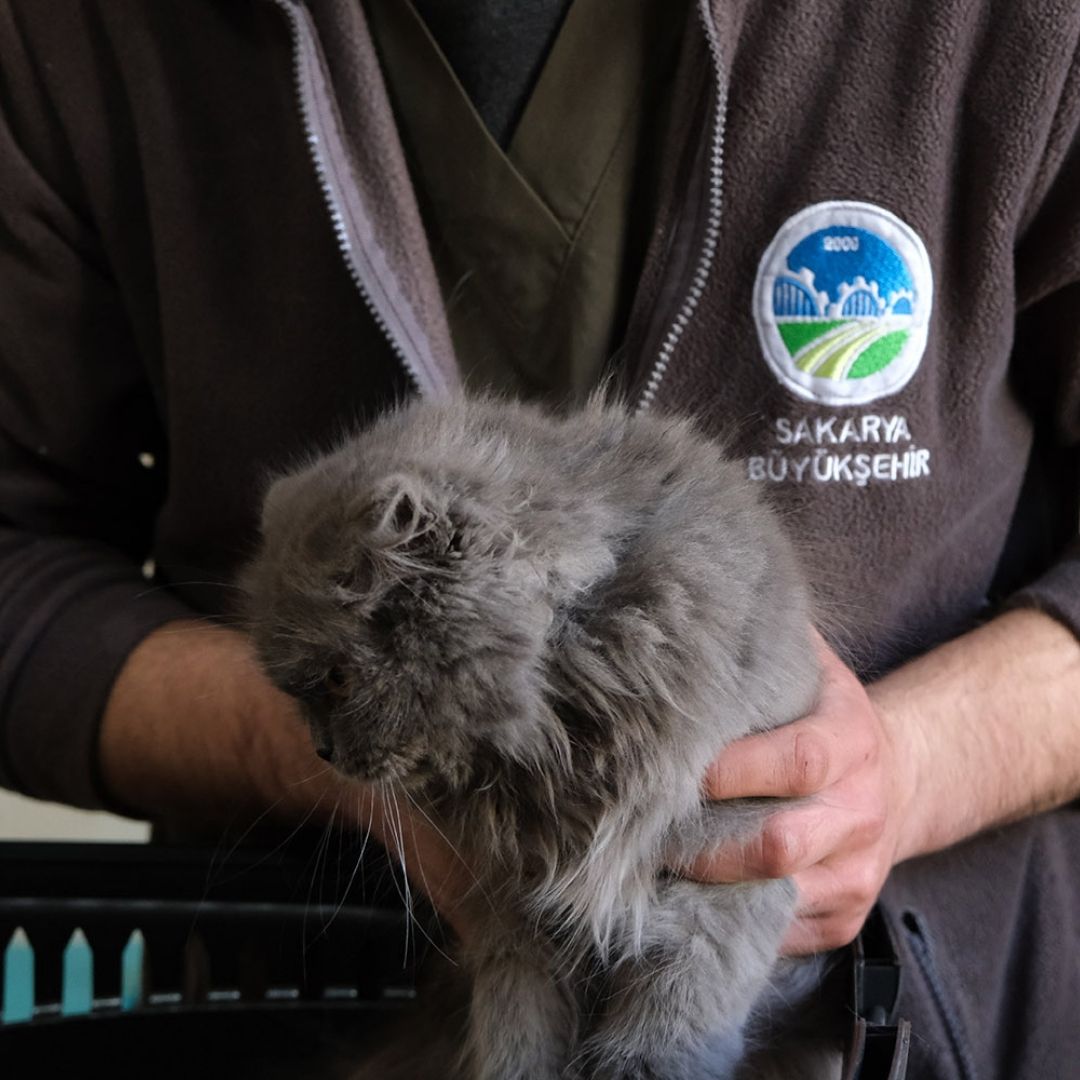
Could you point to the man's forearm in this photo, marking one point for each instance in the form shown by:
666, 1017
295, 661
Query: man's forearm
194, 732
179, 737
991, 723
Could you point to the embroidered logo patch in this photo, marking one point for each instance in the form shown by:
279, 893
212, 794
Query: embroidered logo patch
842, 303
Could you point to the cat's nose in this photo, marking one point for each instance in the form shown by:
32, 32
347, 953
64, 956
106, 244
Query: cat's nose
325, 751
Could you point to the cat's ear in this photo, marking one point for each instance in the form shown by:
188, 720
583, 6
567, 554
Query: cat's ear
401, 510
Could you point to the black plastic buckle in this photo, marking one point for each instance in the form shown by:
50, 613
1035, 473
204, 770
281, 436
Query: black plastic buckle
879, 1043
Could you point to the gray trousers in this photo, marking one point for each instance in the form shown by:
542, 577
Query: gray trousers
989, 938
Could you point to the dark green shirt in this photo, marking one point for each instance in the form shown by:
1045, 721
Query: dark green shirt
539, 247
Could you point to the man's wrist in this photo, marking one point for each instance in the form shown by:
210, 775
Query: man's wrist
986, 729
910, 747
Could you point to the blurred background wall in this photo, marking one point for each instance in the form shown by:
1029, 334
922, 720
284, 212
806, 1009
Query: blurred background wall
30, 819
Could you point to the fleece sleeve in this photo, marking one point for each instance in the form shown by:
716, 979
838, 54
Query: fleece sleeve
81, 459
1046, 359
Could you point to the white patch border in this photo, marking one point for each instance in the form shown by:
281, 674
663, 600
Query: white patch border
895, 232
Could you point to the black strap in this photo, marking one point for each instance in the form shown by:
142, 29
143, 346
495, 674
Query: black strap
879, 1044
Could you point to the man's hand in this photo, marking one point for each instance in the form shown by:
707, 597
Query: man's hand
195, 734
980, 731
841, 841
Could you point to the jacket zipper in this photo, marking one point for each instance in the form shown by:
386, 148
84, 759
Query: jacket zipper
714, 209
349, 246
368, 287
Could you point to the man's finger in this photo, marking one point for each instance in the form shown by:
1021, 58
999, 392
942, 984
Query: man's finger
801, 758
814, 935
791, 841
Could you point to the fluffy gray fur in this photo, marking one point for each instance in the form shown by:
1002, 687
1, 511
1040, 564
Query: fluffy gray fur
544, 629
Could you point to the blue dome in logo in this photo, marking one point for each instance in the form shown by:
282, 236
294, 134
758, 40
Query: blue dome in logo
834, 264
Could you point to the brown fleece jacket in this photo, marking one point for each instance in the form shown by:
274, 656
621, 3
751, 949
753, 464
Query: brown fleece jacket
211, 260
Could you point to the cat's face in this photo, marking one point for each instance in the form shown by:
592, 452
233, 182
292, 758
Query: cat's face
404, 617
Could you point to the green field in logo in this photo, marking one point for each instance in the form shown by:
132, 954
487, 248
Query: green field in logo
843, 348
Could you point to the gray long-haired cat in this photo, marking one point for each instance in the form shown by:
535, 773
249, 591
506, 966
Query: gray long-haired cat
544, 629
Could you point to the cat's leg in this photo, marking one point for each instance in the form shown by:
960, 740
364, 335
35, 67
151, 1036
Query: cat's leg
522, 1020
423, 1040
801, 1023
676, 1009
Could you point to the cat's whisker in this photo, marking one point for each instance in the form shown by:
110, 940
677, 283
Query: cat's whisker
280, 845
324, 848
243, 836
169, 586
390, 840
399, 834
320, 851
314, 776
352, 876
202, 621
423, 879
397, 830
211, 584
457, 854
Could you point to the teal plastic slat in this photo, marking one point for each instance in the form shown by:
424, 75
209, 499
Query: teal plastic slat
18, 979
131, 971
77, 991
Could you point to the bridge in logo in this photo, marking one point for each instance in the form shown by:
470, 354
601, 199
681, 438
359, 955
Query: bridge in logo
842, 302
855, 325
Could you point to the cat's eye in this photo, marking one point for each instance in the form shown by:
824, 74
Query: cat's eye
291, 687
336, 682
382, 621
